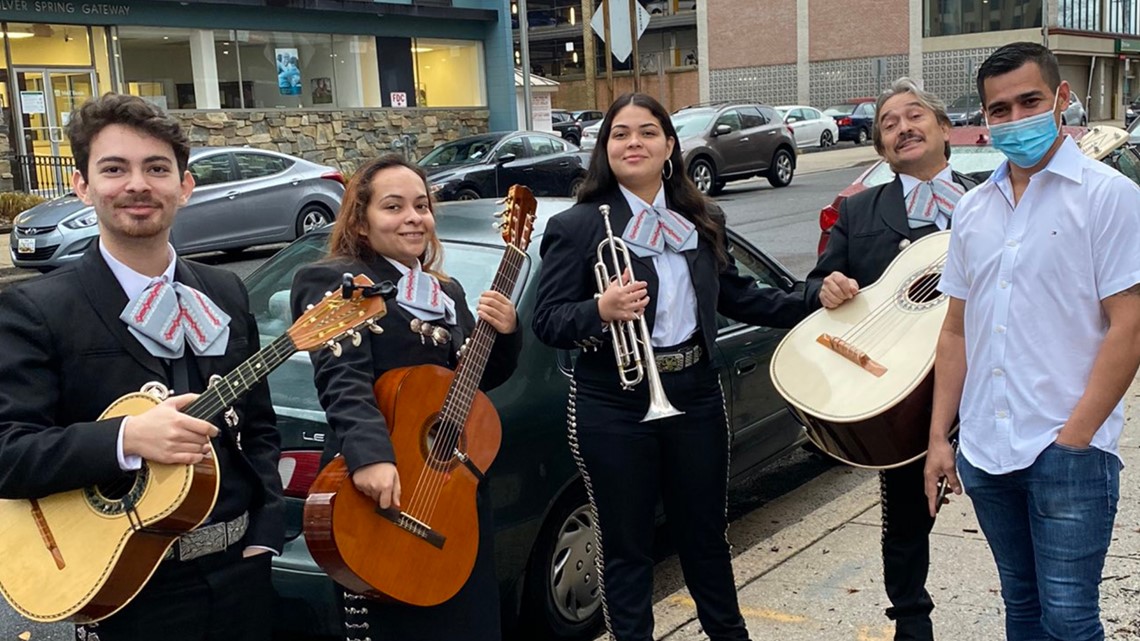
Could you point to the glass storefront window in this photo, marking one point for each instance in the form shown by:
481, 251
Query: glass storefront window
954, 17
156, 65
50, 45
287, 70
356, 73
232, 90
1124, 16
449, 73
1079, 14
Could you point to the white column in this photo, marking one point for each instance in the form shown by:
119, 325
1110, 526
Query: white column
914, 65
703, 51
204, 62
803, 54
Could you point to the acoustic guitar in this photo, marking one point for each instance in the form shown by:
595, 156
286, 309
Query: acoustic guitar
446, 434
82, 555
860, 377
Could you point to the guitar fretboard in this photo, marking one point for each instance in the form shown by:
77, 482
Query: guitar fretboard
226, 391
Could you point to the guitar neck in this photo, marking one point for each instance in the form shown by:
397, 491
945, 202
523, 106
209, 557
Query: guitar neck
478, 350
226, 391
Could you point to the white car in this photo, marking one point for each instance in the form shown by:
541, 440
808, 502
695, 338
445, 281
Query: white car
589, 136
809, 125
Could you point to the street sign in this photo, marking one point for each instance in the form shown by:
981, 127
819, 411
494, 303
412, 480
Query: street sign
621, 45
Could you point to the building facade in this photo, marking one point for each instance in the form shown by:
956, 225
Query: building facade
823, 52
330, 80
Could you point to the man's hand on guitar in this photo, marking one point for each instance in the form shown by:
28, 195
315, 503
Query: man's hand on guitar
380, 482
836, 289
164, 434
939, 465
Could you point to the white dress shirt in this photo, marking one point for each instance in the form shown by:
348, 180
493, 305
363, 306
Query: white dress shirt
133, 284
676, 317
910, 182
1033, 276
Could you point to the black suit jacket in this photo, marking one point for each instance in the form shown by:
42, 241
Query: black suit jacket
66, 356
344, 384
566, 313
866, 237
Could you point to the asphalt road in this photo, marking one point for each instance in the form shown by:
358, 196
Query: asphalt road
783, 222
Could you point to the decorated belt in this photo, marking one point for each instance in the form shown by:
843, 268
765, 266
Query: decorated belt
208, 539
678, 360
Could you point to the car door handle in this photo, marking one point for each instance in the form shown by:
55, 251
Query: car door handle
744, 139
296, 181
564, 163
771, 132
745, 366
232, 195
528, 169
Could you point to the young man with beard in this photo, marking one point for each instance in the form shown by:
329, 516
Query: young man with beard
78, 338
1040, 343
912, 134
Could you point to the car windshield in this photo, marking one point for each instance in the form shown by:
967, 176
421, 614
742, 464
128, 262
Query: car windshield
1134, 132
965, 102
461, 152
291, 385
978, 162
840, 110
692, 122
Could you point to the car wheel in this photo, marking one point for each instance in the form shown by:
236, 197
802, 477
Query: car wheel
467, 194
576, 186
825, 139
783, 167
562, 597
862, 140
572, 139
312, 216
704, 176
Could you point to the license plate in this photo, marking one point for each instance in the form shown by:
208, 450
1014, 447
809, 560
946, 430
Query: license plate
26, 246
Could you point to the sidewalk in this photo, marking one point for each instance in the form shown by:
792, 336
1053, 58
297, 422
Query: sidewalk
808, 565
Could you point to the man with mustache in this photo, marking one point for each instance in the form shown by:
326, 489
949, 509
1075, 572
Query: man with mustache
127, 313
912, 134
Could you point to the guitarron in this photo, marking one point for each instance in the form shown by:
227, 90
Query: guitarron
82, 555
446, 434
860, 377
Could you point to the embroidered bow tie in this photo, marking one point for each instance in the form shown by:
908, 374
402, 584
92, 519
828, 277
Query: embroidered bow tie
167, 316
421, 294
648, 233
932, 202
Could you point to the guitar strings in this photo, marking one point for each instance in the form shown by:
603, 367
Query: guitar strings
457, 403
856, 330
870, 332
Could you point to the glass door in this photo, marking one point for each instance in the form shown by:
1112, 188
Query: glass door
45, 100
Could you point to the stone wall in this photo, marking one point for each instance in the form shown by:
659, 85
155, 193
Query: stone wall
343, 139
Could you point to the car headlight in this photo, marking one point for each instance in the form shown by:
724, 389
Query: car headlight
86, 220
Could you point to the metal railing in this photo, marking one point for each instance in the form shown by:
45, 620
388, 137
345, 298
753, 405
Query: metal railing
46, 176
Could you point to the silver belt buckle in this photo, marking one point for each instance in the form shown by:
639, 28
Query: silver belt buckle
209, 539
670, 362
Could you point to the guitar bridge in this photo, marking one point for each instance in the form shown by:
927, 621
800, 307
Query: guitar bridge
412, 525
851, 353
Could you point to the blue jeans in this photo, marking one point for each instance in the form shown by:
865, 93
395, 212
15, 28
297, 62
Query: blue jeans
1049, 526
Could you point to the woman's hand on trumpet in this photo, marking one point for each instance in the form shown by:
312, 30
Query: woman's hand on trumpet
623, 301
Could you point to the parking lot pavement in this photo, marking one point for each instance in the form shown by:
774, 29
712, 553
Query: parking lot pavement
808, 564
835, 158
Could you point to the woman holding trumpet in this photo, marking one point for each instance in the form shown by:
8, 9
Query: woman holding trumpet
646, 413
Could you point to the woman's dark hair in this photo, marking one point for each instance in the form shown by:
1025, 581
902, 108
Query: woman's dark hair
349, 234
130, 111
680, 191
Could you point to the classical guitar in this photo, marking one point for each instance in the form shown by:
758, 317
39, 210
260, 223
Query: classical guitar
445, 433
82, 555
860, 377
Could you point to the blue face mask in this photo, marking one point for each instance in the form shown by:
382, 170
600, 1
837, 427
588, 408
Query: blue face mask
1025, 142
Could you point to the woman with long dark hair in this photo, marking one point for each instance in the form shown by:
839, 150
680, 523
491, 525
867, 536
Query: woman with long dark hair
386, 231
682, 275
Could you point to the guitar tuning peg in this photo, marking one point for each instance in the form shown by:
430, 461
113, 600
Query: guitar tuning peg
327, 294
374, 327
501, 201
309, 307
335, 348
355, 336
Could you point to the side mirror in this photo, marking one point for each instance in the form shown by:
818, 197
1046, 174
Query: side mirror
505, 158
721, 130
792, 119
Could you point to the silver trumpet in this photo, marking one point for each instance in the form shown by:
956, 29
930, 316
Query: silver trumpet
632, 348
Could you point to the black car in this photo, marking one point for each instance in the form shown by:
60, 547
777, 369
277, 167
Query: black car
544, 541
1132, 111
965, 110
569, 124
486, 165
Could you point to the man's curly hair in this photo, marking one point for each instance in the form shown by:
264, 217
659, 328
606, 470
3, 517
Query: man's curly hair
131, 111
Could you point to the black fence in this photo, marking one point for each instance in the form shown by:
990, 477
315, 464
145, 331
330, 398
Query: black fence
47, 176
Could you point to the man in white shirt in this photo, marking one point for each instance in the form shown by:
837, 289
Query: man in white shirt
1041, 340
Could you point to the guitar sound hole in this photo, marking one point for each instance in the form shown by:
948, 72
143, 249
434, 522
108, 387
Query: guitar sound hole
440, 444
114, 497
924, 289
115, 490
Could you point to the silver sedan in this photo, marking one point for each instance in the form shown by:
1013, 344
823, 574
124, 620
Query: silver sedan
243, 197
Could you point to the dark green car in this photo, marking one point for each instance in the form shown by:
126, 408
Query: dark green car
544, 540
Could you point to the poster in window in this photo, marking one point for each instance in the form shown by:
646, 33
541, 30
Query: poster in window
322, 90
288, 72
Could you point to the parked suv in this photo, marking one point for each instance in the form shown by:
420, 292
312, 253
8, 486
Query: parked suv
735, 141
